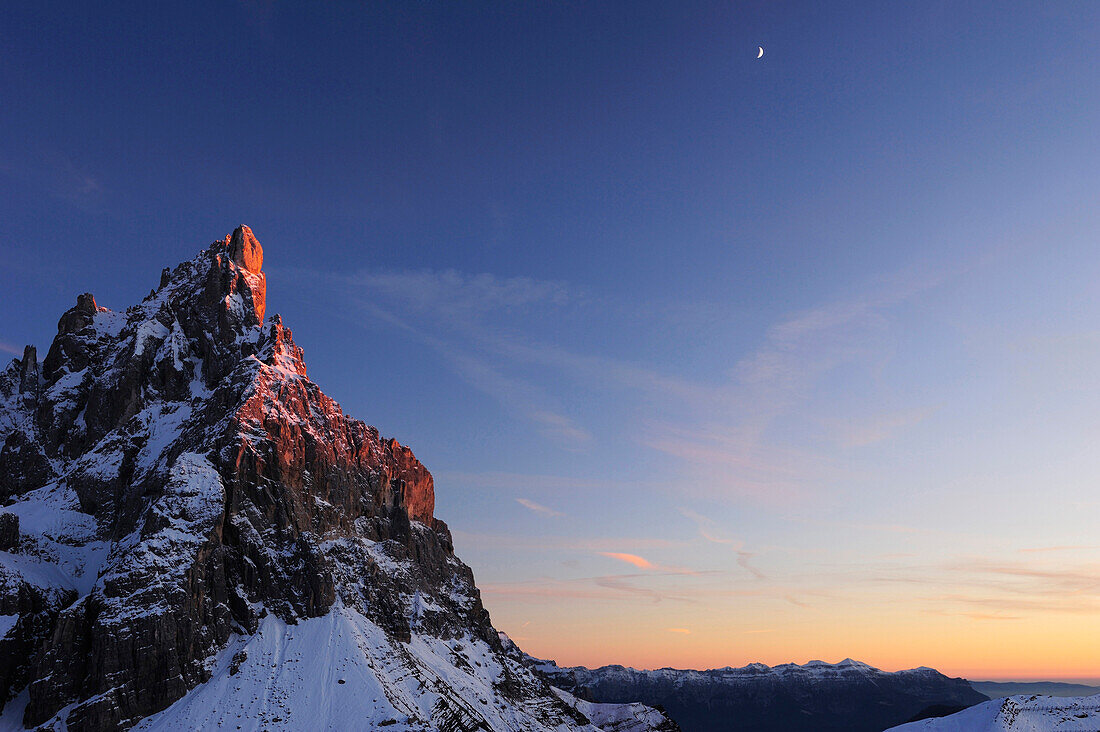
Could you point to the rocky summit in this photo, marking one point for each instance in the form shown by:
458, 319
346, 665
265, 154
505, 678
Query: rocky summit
193, 535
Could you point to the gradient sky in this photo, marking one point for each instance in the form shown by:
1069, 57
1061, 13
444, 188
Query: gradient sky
715, 359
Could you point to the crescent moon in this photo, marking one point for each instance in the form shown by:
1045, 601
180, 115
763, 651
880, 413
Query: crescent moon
760, 53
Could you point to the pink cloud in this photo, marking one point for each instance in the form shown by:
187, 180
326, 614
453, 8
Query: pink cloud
1065, 548
640, 562
643, 563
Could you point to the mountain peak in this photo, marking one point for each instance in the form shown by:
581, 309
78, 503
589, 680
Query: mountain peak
245, 250
244, 275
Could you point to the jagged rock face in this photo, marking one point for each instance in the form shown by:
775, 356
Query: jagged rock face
171, 476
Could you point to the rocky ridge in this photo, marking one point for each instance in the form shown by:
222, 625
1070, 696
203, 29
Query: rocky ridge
173, 483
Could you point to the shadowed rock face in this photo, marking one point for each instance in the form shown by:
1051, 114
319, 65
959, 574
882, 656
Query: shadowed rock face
171, 476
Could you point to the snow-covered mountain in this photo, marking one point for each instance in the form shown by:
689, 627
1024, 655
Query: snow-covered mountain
816, 696
1019, 714
193, 536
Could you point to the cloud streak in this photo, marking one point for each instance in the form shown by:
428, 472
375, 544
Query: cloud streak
707, 530
716, 431
458, 302
6, 347
640, 562
880, 427
55, 173
603, 587
585, 545
538, 507
643, 563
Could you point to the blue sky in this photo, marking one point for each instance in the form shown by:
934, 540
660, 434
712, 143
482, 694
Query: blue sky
797, 354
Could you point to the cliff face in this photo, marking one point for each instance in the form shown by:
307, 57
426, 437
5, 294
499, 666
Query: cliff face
172, 478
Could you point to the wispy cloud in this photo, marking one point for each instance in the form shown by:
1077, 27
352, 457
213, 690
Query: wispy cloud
441, 310
1000, 588
652, 582
879, 427
799, 349
522, 397
729, 446
684, 631
56, 174
866, 526
795, 601
723, 462
640, 562
561, 426
979, 616
1071, 606
583, 545
719, 431
991, 616
708, 531
603, 587
454, 295
538, 507
505, 481
643, 563
618, 584
6, 347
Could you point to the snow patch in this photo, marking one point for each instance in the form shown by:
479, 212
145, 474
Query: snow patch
7, 622
342, 672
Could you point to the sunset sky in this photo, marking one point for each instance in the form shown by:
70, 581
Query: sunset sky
714, 359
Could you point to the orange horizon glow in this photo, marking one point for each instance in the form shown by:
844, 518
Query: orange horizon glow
1084, 674
611, 621
955, 649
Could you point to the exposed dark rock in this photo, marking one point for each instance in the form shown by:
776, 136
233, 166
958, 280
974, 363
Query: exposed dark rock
9, 531
29, 375
937, 710
79, 316
23, 464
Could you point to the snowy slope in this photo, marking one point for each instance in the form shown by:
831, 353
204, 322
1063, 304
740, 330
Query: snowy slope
1019, 714
343, 672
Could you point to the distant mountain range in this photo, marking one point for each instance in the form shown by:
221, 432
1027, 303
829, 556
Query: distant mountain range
815, 697
999, 689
